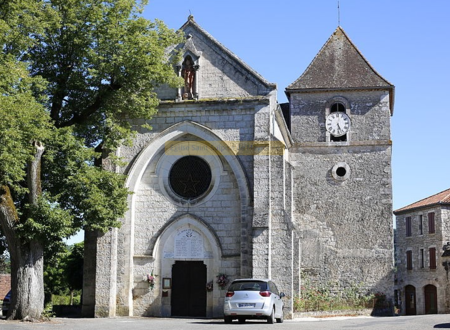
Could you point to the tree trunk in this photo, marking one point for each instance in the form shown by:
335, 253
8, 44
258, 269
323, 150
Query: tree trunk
27, 281
27, 260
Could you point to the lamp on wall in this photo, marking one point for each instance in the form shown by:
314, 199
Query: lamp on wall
446, 257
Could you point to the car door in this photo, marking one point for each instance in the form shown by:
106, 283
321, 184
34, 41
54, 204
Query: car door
277, 300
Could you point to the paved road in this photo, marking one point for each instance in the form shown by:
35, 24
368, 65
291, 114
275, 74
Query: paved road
423, 322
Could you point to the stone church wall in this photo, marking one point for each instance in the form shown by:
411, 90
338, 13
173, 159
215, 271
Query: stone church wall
153, 210
337, 220
232, 122
219, 74
283, 240
338, 216
272, 215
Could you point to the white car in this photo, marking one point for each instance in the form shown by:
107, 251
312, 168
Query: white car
253, 299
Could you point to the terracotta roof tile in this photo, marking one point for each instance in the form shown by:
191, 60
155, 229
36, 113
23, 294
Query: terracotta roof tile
440, 198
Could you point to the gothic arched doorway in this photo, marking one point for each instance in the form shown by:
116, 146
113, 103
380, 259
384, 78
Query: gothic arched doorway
410, 300
430, 299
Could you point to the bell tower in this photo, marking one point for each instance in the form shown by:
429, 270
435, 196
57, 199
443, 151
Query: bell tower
340, 110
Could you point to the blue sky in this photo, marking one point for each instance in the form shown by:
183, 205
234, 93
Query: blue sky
406, 41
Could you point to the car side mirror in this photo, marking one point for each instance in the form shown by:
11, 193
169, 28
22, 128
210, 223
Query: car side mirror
282, 295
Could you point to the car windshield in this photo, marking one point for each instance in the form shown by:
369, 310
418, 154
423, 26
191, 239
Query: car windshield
248, 286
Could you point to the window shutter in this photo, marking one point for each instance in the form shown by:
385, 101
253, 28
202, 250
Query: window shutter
408, 260
431, 224
408, 227
432, 258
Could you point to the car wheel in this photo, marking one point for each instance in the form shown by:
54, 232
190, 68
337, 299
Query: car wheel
227, 319
281, 319
241, 320
271, 318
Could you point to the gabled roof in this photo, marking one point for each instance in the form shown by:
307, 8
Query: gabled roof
191, 23
442, 198
339, 65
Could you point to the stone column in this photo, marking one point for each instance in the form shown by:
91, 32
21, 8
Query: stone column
195, 93
261, 194
89, 265
281, 231
179, 96
106, 274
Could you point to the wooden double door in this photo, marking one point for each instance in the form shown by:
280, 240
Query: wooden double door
430, 293
189, 289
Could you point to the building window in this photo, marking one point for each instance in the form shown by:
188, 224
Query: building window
187, 179
432, 258
190, 177
340, 171
422, 258
420, 224
409, 260
431, 225
408, 227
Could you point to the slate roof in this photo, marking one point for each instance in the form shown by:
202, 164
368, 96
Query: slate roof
339, 65
442, 198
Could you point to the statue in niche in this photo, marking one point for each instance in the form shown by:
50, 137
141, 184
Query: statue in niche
188, 73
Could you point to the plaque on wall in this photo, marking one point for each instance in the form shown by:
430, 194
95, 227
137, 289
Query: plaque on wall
188, 244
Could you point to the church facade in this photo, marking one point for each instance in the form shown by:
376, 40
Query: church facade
231, 184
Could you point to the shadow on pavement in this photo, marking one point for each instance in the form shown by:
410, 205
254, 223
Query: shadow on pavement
234, 322
442, 326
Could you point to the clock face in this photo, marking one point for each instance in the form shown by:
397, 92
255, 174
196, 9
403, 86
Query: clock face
337, 123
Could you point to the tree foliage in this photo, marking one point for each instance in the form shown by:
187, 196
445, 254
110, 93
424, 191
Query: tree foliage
63, 271
73, 75
74, 267
4, 256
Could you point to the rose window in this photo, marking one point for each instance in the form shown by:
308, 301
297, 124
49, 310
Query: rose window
190, 177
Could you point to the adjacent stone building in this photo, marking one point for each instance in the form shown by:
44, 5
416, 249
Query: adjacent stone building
422, 283
230, 182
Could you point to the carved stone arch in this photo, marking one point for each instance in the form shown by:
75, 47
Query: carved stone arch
188, 69
195, 58
189, 220
138, 168
203, 133
190, 49
187, 239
